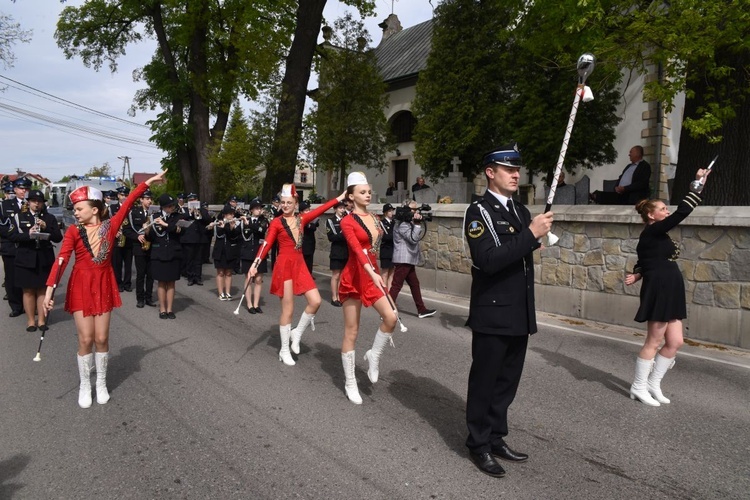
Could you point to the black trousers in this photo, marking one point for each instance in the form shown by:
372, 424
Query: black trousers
193, 261
497, 364
14, 293
144, 283
309, 261
122, 261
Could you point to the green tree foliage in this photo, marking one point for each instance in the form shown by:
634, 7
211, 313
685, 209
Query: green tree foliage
105, 170
486, 86
10, 34
291, 105
236, 163
348, 119
207, 53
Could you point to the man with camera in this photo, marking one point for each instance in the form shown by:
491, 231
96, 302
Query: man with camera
407, 234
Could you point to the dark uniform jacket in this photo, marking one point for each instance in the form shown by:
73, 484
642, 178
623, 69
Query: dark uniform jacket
227, 244
193, 234
308, 242
386, 244
339, 249
135, 220
8, 210
252, 233
165, 241
502, 287
32, 253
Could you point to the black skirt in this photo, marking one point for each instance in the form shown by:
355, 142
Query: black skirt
165, 270
262, 267
336, 264
386, 264
224, 263
36, 277
662, 294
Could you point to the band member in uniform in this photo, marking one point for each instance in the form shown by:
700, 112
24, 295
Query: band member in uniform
339, 251
502, 237
386, 246
122, 254
361, 283
34, 257
138, 218
309, 243
192, 239
226, 250
166, 252
253, 228
8, 209
662, 295
184, 213
276, 212
290, 275
92, 288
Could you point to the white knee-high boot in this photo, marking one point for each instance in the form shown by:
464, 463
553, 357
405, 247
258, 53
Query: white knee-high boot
102, 360
84, 372
639, 389
304, 320
284, 354
373, 355
661, 365
352, 391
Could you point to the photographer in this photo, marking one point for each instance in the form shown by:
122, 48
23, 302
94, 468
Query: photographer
407, 234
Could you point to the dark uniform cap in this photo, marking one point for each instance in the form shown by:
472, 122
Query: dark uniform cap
227, 210
147, 194
192, 196
22, 182
255, 203
123, 190
508, 156
180, 196
304, 205
387, 207
339, 204
111, 194
276, 198
232, 198
166, 200
36, 195
8, 187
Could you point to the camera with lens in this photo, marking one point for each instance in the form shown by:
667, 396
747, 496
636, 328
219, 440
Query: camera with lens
405, 214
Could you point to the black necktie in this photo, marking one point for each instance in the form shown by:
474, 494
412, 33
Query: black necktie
512, 210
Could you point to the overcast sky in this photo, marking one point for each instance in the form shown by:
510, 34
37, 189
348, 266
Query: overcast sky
41, 73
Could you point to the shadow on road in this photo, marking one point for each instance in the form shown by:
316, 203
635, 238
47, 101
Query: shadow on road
128, 362
182, 303
452, 321
584, 372
271, 340
9, 469
330, 362
440, 407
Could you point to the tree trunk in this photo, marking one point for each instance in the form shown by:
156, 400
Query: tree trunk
282, 160
729, 182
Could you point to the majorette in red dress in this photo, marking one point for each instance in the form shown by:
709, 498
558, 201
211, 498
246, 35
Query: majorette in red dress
92, 287
290, 263
355, 281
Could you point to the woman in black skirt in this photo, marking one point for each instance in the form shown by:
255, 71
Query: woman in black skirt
166, 252
662, 295
253, 229
34, 257
226, 253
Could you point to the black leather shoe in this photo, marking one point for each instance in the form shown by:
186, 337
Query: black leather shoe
504, 452
15, 314
191, 283
120, 288
31, 328
259, 310
336, 303
43, 328
251, 310
171, 315
128, 288
150, 303
199, 283
486, 463
140, 304
163, 315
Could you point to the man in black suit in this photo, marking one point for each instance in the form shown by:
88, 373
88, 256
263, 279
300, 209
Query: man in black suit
8, 210
634, 182
502, 237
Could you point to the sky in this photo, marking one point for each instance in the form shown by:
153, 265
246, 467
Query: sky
86, 121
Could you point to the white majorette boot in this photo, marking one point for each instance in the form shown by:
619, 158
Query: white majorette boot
102, 359
661, 365
305, 319
639, 389
352, 392
84, 372
284, 354
373, 355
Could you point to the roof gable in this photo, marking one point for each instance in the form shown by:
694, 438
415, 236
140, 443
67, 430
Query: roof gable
404, 54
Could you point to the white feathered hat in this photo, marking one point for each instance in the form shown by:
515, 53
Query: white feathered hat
288, 190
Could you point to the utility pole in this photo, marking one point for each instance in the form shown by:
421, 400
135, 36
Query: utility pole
125, 168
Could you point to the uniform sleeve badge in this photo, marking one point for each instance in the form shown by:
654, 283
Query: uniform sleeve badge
476, 229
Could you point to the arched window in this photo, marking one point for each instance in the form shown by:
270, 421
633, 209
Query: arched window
402, 126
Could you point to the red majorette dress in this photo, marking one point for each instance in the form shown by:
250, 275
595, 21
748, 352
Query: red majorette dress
290, 263
92, 287
355, 281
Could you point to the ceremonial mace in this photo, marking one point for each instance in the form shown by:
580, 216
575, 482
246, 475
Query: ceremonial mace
38, 356
585, 67
387, 296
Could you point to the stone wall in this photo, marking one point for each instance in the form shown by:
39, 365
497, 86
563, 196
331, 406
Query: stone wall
582, 276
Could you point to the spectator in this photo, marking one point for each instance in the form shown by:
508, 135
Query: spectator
419, 185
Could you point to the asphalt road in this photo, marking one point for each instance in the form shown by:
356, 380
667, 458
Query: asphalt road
202, 408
